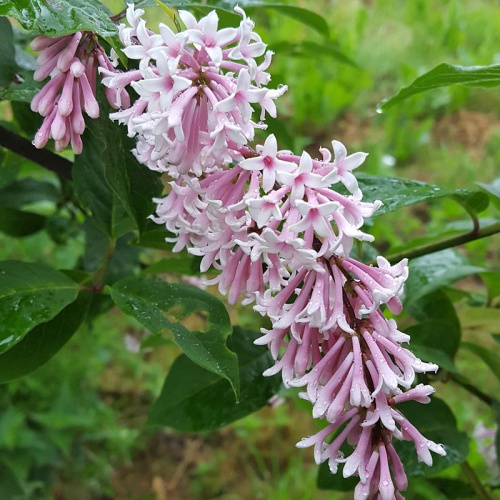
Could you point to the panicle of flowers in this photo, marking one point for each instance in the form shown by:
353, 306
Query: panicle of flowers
196, 88
71, 61
281, 236
281, 233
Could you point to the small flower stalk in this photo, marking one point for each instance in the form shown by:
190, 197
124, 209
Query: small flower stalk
72, 62
274, 223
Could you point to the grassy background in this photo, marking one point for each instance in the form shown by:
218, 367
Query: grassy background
78, 423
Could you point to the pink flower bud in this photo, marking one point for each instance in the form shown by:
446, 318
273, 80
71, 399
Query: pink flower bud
65, 103
58, 127
67, 55
89, 101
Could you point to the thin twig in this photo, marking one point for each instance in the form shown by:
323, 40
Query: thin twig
43, 157
453, 241
474, 390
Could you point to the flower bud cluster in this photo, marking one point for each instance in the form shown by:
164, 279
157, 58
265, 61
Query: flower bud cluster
71, 61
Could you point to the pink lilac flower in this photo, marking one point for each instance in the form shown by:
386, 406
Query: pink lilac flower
281, 234
485, 440
196, 90
71, 61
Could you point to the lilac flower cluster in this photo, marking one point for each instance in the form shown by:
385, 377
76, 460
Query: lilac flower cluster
195, 92
270, 221
280, 236
71, 61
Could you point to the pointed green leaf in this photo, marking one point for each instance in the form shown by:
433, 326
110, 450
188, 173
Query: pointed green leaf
433, 271
8, 65
134, 184
154, 236
181, 263
492, 281
308, 49
44, 341
108, 179
435, 341
452, 488
18, 223
24, 191
160, 306
30, 294
493, 188
60, 17
194, 400
304, 16
91, 187
445, 75
396, 193
434, 306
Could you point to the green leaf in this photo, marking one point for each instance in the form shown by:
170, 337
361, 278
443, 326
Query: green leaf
154, 237
435, 305
436, 341
8, 65
28, 121
490, 358
452, 488
134, 184
18, 223
304, 16
60, 17
44, 341
445, 75
194, 400
25, 191
30, 294
22, 91
493, 188
91, 186
159, 306
433, 271
436, 422
396, 193
122, 258
492, 281
308, 49
180, 263
474, 202
110, 182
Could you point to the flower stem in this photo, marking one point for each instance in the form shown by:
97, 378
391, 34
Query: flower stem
470, 474
453, 241
473, 390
